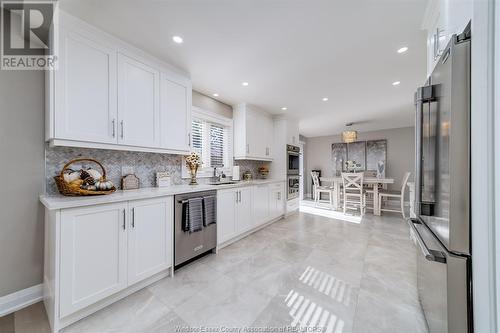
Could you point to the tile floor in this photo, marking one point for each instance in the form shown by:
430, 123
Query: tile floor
306, 270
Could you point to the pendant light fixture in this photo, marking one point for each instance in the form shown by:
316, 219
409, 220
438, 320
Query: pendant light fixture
349, 135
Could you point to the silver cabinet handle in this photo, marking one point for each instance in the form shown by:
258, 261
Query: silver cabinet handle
121, 125
248, 148
236, 196
113, 122
124, 226
239, 196
133, 217
189, 139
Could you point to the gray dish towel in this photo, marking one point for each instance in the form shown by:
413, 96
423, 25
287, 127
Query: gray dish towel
193, 218
209, 210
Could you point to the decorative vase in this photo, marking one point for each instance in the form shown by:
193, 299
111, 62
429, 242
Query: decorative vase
380, 169
193, 170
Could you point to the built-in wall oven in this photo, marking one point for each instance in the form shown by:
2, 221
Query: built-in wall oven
293, 186
293, 159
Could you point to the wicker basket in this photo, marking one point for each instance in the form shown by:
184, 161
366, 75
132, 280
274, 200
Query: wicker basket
70, 189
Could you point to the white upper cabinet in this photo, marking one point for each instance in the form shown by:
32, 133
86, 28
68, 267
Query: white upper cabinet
175, 113
138, 103
292, 132
442, 19
253, 133
85, 93
110, 95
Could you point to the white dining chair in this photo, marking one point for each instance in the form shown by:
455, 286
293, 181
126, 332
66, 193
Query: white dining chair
354, 193
385, 194
318, 189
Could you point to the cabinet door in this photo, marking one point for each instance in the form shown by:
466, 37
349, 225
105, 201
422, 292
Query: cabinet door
255, 139
93, 252
226, 215
85, 90
138, 103
268, 127
244, 210
261, 204
175, 113
276, 200
280, 201
149, 238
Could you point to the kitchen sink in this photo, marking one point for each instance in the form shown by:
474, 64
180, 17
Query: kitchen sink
222, 183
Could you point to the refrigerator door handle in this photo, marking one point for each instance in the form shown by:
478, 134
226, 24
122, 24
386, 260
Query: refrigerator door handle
422, 95
431, 255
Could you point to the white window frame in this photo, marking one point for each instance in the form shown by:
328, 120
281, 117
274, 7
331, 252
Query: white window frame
210, 116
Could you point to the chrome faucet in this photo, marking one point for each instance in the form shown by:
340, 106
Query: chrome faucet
216, 176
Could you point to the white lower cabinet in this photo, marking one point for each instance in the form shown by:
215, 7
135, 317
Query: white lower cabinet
244, 217
276, 200
240, 210
149, 238
261, 195
234, 213
226, 215
94, 253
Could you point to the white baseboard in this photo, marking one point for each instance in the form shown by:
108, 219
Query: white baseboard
20, 299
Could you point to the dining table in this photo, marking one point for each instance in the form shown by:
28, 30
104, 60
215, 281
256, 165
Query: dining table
336, 181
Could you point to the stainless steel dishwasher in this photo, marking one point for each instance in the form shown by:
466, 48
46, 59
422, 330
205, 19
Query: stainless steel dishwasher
190, 245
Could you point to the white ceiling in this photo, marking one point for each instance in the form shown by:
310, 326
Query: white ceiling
292, 52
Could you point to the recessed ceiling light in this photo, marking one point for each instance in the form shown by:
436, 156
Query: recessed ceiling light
178, 39
284, 108
215, 95
396, 83
325, 99
403, 49
244, 84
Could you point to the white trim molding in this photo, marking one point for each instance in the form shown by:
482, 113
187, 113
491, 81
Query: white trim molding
485, 234
20, 299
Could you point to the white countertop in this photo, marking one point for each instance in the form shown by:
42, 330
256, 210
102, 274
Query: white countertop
53, 202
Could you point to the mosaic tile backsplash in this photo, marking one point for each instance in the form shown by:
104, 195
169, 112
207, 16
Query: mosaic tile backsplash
145, 165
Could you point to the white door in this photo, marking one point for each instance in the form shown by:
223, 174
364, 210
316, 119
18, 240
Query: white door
261, 203
93, 255
244, 216
226, 215
138, 103
175, 114
149, 238
85, 90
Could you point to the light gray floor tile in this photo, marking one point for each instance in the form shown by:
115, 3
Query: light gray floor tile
302, 271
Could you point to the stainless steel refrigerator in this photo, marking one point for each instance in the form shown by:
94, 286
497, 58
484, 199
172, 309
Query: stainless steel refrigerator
442, 191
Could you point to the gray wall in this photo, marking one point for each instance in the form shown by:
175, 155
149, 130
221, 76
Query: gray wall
22, 169
208, 103
400, 153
